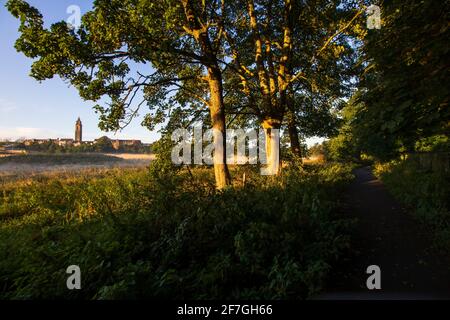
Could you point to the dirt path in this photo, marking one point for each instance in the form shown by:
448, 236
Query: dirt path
387, 236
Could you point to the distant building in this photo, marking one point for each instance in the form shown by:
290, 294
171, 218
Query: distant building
65, 142
78, 131
30, 142
116, 144
120, 144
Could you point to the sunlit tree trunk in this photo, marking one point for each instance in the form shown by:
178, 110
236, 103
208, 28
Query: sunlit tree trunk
221, 172
216, 105
272, 147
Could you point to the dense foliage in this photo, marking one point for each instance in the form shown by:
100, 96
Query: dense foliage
401, 98
278, 63
405, 95
156, 235
172, 233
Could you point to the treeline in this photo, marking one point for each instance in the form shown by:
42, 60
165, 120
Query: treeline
278, 64
399, 117
100, 145
306, 67
401, 105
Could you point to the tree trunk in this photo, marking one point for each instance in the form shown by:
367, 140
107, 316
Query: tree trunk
272, 135
216, 106
293, 135
217, 113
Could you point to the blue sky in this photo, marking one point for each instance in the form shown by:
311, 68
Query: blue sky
29, 109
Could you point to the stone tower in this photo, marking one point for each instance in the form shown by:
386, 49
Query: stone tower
78, 131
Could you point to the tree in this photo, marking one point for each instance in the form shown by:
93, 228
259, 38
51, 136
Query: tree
113, 53
250, 59
285, 52
103, 144
326, 42
403, 91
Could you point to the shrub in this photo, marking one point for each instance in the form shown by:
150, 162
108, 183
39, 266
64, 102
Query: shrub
140, 235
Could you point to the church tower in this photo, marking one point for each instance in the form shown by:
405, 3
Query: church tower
78, 131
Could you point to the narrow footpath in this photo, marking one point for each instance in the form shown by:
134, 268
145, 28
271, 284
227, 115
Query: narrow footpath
388, 236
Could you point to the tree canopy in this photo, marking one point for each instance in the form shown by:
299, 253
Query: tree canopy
271, 63
403, 97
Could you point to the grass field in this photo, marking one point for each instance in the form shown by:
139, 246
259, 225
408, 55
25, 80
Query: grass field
159, 233
24, 165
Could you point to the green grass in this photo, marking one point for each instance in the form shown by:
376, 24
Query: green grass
169, 234
427, 192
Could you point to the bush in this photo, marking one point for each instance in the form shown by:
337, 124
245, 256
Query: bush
139, 235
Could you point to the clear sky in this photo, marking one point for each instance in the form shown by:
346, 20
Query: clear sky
29, 109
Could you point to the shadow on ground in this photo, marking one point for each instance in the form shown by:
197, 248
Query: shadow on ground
387, 236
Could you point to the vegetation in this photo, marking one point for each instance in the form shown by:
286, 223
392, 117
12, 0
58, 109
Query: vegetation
400, 100
425, 192
307, 67
59, 159
137, 234
102, 144
256, 63
403, 99
400, 110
